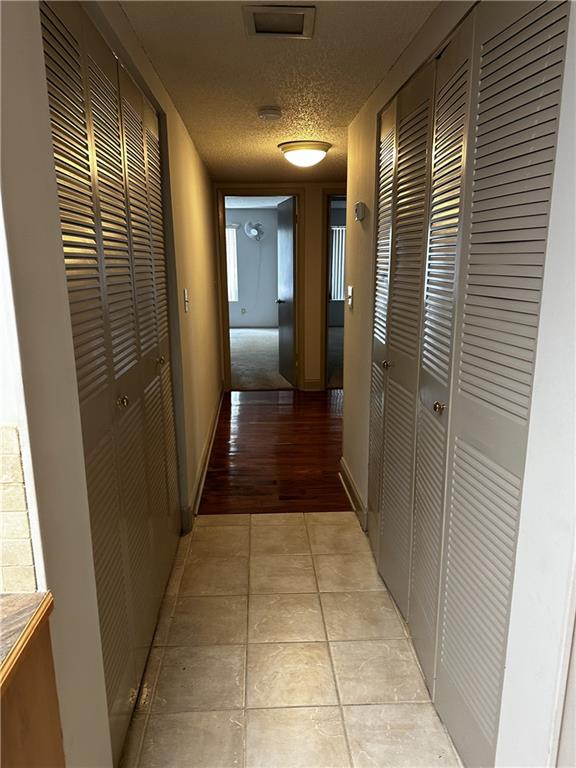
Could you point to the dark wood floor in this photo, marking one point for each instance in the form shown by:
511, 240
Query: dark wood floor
276, 452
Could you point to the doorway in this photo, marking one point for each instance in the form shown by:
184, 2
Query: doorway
335, 291
260, 260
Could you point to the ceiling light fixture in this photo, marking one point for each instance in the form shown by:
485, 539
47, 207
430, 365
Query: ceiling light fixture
304, 153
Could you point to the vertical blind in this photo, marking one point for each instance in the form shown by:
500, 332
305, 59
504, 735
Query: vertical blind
232, 263
338, 254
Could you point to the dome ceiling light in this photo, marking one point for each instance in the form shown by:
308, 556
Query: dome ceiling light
304, 153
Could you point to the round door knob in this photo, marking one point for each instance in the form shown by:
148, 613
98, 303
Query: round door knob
161, 360
386, 364
123, 401
438, 407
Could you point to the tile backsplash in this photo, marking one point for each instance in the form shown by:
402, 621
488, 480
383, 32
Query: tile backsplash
17, 572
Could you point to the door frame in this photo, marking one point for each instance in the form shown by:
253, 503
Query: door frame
327, 195
255, 190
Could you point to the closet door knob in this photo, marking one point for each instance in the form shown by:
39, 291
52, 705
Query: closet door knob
161, 360
438, 407
386, 364
123, 401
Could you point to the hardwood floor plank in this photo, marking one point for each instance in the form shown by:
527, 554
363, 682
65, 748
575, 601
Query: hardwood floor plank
276, 452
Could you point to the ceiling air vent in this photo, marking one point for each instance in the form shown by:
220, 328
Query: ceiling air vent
279, 20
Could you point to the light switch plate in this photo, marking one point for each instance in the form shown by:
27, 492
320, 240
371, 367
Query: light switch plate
350, 296
359, 211
186, 301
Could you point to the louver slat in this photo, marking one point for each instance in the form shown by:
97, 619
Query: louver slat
410, 229
107, 534
527, 66
475, 611
104, 103
157, 231
170, 447
138, 206
427, 537
375, 453
386, 173
76, 202
451, 122
397, 490
156, 475
518, 62
135, 504
383, 247
410, 217
444, 225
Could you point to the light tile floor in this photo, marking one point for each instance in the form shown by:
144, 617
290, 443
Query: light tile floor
278, 646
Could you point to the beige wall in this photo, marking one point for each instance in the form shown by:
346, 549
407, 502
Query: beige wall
311, 266
360, 240
195, 249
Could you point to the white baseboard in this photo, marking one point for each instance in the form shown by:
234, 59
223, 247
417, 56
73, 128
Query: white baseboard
353, 493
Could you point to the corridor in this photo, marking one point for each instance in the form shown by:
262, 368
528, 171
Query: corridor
279, 647
288, 308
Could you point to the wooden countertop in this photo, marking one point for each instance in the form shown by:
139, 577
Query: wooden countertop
20, 616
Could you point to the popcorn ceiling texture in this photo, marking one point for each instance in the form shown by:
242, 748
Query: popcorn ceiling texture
218, 77
17, 572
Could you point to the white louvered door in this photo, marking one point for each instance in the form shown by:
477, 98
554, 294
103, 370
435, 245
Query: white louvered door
518, 57
111, 521
386, 171
451, 122
409, 234
163, 367
108, 168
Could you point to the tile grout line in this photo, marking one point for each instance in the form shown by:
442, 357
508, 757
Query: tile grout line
162, 649
245, 695
332, 666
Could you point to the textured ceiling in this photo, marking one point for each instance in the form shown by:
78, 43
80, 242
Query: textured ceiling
218, 77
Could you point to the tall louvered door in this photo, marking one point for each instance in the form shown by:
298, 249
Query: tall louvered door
386, 170
518, 57
451, 121
409, 235
167, 516
111, 522
152, 547
107, 160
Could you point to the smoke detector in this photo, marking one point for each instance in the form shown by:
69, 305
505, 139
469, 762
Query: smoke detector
269, 114
296, 21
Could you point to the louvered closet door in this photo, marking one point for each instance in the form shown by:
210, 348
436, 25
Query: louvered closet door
109, 512
451, 122
518, 55
107, 160
386, 170
409, 234
147, 498
154, 184
92, 233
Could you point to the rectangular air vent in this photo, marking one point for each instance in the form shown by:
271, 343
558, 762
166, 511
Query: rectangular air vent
279, 20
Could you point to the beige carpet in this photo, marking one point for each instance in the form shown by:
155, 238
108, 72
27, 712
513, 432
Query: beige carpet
254, 359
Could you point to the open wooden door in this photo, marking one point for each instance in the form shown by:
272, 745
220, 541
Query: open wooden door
285, 300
